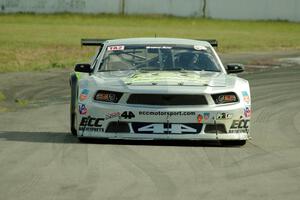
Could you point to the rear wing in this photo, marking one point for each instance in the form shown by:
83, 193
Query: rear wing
212, 42
92, 42
100, 42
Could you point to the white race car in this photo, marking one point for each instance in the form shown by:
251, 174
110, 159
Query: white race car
157, 89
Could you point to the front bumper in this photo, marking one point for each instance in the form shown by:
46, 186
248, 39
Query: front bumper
112, 121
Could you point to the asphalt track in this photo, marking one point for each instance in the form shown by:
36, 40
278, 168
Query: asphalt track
39, 159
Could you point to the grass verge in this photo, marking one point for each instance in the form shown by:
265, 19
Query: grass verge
2, 96
37, 42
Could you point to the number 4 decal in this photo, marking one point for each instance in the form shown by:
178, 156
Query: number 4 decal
128, 115
175, 128
180, 128
153, 128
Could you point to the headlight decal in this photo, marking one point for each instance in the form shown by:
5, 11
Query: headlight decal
223, 98
108, 96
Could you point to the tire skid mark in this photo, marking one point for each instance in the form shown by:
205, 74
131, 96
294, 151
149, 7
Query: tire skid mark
22, 153
263, 115
76, 171
196, 158
268, 113
289, 128
210, 162
28, 186
11, 149
273, 108
275, 97
26, 179
193, 164
164, 185
71, 151
35, 93
266, 170
253, 152
217, 156
296, 123
280, 166
127, 193
56, 147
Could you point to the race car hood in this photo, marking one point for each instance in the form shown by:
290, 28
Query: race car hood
164, 78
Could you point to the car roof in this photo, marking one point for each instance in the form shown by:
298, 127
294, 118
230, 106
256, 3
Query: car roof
158, 40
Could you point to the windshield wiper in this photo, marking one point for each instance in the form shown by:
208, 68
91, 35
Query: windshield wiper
115, 70
175, 69
210, 70
144, 69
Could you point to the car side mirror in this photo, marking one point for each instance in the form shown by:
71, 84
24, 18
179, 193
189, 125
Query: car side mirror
85, 68
235, 68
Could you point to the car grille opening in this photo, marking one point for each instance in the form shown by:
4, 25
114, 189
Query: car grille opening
215, 128
119, 127
166, 128
167, 99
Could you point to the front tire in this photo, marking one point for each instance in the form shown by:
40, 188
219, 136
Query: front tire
73, 84
72, 125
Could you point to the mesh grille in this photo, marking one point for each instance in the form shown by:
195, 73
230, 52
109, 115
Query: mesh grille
166, 99
215, 128
118, 127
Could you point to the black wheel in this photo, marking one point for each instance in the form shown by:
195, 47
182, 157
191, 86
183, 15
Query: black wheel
233, 142
72, 125
73, 84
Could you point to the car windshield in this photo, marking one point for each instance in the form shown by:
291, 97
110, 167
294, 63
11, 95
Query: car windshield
159, 57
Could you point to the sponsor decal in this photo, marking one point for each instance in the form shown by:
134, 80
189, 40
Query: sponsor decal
91, 121
84, 94
84, 83
112, 115
127, 115
200, 48
168, 113
199, 118
247, 112
237, 131
91, 124
144, 78
82, 109
115, 48
246, 97
166, 128
158, 47
91, 129
237, 124
224, 116
78, 75
206, 116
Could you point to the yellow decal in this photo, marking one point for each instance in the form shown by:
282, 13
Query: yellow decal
77, 75
166, 76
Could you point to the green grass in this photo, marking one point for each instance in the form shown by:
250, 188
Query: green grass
37, 42
2, 96
22, 102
